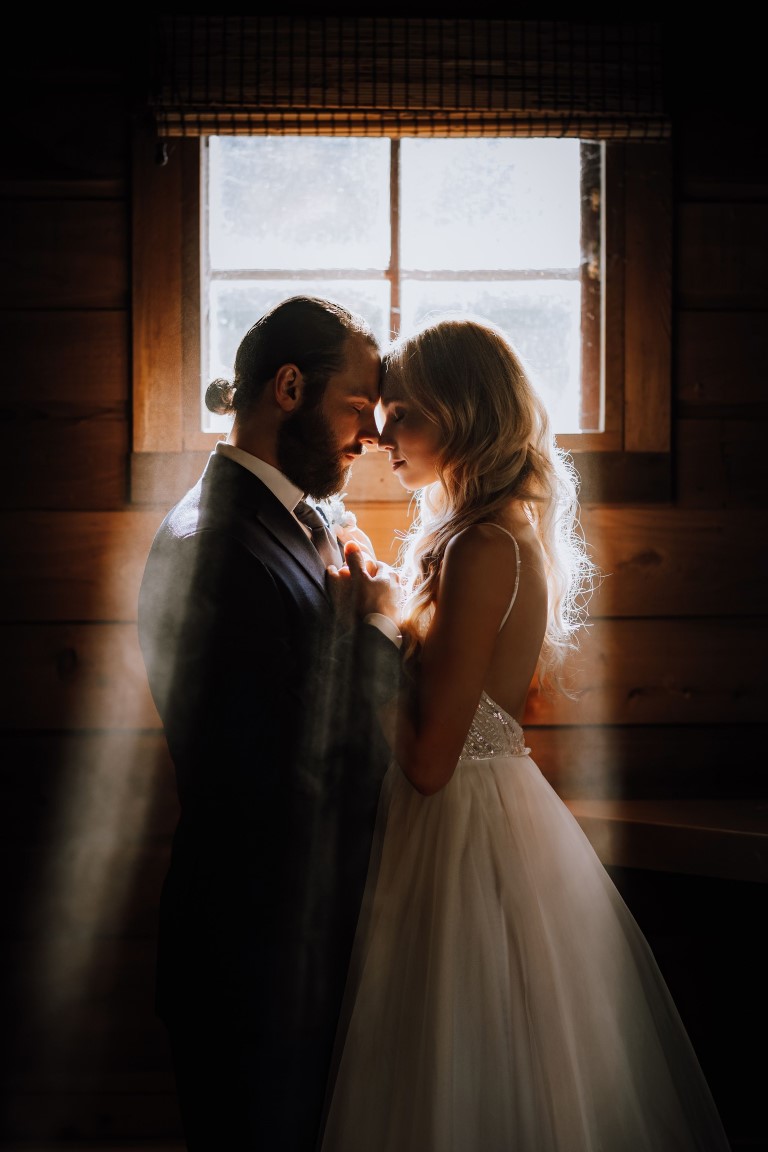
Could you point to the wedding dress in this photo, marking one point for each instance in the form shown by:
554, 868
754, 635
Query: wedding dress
501, 996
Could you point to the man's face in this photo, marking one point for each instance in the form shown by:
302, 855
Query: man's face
318, 444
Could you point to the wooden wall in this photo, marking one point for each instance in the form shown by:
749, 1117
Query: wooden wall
674, 668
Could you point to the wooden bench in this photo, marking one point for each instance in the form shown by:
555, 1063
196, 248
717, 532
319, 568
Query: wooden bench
727, 839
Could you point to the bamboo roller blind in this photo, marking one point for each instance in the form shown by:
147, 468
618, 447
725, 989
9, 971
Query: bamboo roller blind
382, 76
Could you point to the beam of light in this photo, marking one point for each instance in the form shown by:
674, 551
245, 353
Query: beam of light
90, 897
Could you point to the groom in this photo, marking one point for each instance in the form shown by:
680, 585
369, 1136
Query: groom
268, 707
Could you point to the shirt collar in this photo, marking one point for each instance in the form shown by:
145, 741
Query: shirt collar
277, 482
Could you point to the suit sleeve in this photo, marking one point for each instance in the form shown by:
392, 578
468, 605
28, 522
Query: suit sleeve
222, 668
348, 757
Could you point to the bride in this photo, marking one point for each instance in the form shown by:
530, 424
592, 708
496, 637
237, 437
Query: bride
501, 997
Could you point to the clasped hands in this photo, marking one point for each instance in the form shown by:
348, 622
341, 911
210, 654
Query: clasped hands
363, 585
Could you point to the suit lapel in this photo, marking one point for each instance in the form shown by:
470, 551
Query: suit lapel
236, 487
279, 522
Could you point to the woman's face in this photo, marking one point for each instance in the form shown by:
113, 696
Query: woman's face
410, 437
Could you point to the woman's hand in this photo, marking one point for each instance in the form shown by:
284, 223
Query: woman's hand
351, 533
364, 584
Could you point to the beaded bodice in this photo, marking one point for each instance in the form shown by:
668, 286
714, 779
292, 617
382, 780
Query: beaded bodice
493, 733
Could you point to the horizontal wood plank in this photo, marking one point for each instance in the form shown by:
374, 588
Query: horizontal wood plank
720, 464
41, 771
651, 762
113, 977
77, 361
74, 461
717, 125
91, 676
71, 132
663, 672
52, 260
69, 908
86, 886
720, 360
656, 561
50, 781
604, 477
162, 478
677, 562
77, 676
99, 1121
74, 565
721, 255
20, 188
696, 838
88, 565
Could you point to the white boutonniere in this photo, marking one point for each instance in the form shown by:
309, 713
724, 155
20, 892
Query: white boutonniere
336, 514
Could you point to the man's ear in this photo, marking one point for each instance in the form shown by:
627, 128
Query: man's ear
288, 387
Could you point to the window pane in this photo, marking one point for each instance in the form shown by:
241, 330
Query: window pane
298, 202
541, 318
236, 305
489, 226
510, 204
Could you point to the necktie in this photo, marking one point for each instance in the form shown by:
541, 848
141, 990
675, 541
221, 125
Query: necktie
322, 537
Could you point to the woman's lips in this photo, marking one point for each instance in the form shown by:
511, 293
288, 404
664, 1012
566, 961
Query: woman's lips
396, 464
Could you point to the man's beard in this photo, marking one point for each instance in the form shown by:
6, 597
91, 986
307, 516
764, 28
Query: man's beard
307, 454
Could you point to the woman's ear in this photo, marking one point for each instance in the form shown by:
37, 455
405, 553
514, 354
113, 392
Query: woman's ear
289, 387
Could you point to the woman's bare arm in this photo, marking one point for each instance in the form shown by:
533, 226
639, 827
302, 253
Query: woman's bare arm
476, 585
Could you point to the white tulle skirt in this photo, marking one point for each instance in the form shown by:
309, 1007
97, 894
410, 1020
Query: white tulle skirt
501, 996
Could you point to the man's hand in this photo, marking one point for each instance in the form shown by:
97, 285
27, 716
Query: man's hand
363, 585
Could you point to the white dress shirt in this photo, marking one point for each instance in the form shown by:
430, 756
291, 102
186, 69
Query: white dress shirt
289, 495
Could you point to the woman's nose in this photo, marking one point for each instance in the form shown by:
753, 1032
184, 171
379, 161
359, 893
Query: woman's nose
385, 438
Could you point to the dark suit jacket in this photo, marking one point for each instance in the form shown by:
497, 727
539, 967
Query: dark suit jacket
269, 714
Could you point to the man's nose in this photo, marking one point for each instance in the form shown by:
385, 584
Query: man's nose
369, 433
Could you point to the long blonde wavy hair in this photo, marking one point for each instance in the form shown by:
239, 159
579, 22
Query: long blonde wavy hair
464, 375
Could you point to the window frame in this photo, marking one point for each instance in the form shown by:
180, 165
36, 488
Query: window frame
393, 272
629, 462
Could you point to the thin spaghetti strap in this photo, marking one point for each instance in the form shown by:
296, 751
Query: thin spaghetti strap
517, 572
493, 524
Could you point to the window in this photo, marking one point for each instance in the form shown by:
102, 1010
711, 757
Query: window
629, 460
423, 78
399, 228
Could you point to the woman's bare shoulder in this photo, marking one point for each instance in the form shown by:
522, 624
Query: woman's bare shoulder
481, 559
486, 535
488, 547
